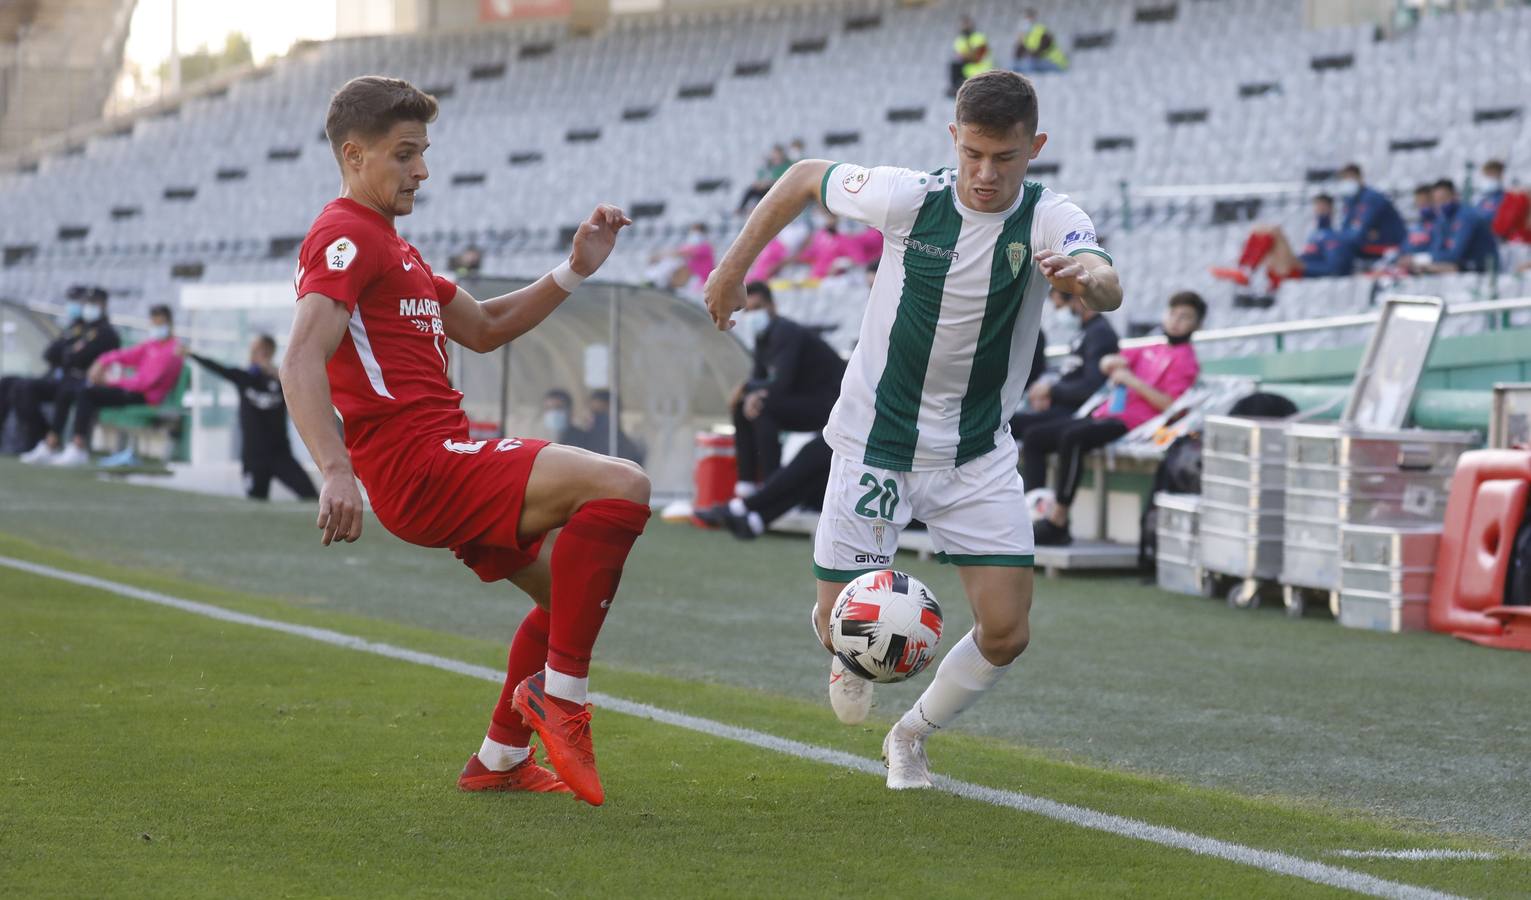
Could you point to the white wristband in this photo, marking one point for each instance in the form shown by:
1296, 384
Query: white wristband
566, 278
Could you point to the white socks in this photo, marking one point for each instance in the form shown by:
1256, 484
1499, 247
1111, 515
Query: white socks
963, 676
565, 687
498, 757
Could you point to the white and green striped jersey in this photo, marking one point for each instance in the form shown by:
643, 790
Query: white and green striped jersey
951, 325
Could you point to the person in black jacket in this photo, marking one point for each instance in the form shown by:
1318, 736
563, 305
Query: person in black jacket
1080, 376
265, 451
597, 436
793, 385
87, 334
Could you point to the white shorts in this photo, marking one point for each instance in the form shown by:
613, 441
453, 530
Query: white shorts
976, 515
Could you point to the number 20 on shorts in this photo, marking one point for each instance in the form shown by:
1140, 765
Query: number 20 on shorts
884, 494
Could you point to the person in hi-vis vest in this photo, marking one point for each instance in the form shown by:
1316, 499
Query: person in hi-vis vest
972, 55
1036, 48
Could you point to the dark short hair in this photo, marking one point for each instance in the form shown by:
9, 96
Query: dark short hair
600, 395
368, 106
268, 342
1425, 188
1324, 198
1351, 169
1445, 184
559, 394
762, 289
1495, 166
997, 101
1193, 300
86, 292
162, 311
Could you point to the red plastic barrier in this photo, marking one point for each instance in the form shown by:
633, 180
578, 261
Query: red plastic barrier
1486, 507
716, 470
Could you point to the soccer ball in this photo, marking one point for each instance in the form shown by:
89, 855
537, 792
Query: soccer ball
885, 626
1041, 502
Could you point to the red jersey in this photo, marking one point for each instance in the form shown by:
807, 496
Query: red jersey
388, 377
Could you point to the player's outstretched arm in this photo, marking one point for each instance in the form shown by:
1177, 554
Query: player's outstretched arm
490, 324
316, 331
1087, 275
793, 191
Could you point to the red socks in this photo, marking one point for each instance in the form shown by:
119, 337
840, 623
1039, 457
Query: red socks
528, 654
587, 567
1255, 250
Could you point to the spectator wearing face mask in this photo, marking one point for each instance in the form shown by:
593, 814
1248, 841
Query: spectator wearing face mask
154, 368
558, 418
793, 384
1369, 222
686, 266
597, 437
1326, 254
1462, 240
87, 334
1037, 51
1145, 381
1422, 232
1507, 210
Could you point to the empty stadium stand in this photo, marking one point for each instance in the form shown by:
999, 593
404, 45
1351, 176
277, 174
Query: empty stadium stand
671, 114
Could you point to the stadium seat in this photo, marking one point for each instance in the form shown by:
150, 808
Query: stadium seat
140, 422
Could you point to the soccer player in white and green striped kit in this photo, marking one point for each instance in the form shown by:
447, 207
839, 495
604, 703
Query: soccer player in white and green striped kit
921, 427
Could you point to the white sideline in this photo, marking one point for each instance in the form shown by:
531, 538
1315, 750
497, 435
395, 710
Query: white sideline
1414, 855
1270, 861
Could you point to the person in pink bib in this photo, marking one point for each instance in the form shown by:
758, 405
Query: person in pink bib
151, 370
1142, 382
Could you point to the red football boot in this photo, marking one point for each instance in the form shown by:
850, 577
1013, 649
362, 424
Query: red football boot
1237, 276
525, 775
565, 731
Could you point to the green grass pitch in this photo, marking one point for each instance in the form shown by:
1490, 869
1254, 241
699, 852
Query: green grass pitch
152, 751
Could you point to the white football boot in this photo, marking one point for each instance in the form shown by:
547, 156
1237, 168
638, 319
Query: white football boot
41, 455
850, 695
73, 455
904, 755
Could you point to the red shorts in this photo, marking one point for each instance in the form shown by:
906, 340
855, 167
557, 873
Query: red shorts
466, 495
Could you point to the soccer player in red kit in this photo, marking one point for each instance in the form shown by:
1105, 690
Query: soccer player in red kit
370, 339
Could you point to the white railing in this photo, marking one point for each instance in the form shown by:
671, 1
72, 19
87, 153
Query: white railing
1278, 330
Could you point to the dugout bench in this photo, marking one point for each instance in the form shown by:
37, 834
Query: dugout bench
153, 431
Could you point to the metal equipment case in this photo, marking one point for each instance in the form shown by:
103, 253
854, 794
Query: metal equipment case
1345, 476
1176, 563
1243, 486
1385, 576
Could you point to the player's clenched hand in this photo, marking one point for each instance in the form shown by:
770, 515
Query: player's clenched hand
595, 237
724, 295
1066, 273
339, 509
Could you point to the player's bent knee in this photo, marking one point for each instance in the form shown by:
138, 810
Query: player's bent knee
1003, 649
624, 480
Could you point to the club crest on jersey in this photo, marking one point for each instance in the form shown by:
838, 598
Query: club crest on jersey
855, 181
1016, 254
339, 255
